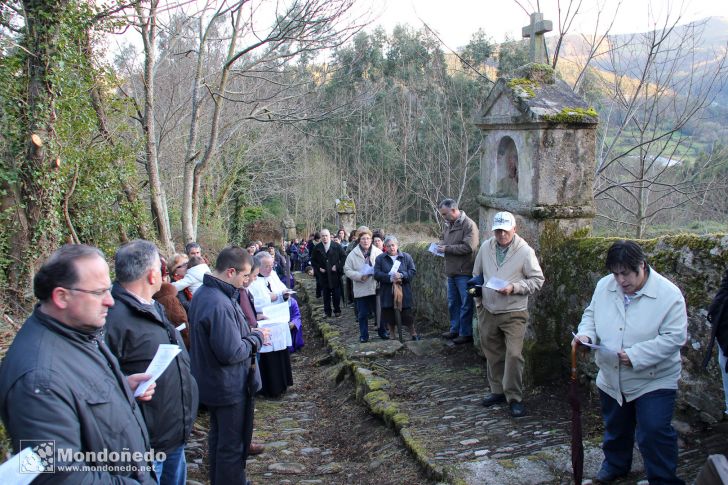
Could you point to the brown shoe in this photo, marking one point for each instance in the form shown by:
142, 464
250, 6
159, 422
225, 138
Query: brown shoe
256, 448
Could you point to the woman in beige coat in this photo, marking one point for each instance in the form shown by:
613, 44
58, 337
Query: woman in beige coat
359, 268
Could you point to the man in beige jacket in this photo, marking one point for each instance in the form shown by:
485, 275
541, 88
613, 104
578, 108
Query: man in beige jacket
511, 272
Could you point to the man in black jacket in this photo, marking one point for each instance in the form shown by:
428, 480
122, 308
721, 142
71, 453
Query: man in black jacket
223, 347
135, 327
61, 388
328, 260
718, 317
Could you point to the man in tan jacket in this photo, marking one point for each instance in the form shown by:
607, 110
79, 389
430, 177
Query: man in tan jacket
511, 272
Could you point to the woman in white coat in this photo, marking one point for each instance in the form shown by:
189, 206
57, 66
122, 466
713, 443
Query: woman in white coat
639, 318
359, 268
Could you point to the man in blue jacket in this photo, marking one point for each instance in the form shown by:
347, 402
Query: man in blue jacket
223, 347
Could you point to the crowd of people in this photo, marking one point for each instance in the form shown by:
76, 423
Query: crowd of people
76, 373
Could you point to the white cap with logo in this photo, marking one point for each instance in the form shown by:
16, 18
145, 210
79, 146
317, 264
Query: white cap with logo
504, 220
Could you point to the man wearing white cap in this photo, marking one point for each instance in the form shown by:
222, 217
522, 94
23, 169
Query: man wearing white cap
511, 272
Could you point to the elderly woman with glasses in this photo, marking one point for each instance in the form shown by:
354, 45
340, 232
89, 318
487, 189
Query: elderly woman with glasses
359, 268
394, 270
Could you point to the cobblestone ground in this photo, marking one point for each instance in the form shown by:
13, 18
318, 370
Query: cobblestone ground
317, 433
430, 391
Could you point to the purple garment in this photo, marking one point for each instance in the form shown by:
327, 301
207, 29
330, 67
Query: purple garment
296, 331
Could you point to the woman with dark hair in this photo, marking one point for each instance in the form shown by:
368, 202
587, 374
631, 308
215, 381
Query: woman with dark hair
638, 318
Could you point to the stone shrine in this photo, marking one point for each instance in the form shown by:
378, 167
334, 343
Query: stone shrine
538, 150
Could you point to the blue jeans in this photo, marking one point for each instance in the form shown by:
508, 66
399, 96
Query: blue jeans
364, 306
460, 305
650, 414
173, 470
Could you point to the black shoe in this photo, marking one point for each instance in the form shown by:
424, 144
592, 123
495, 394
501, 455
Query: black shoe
491, 399
605, 476
327, 314
462, 340
416, 338
517, 409
337, 314
449, 335
363, 340
383, 335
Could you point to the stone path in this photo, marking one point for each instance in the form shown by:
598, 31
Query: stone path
317, 433
430, 392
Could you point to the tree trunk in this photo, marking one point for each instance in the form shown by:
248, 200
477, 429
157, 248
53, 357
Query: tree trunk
38, 197
191, 202
158, 204
189, 225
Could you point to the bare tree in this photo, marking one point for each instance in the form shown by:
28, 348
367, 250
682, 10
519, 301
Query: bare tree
147, 24
298, 31
659, 84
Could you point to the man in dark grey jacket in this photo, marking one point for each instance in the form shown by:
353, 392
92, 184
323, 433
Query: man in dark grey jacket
62, 391
135, 327
222, 349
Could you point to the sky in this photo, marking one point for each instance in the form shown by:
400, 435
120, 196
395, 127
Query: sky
456, 20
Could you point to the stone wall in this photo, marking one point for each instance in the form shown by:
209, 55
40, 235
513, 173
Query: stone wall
429, 288
572, 268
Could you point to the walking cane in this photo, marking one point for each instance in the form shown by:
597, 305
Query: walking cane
577, 445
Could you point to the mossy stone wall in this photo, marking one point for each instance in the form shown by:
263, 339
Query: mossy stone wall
572, 267
429, 288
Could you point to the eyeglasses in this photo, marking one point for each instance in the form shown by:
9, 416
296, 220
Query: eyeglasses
100, 292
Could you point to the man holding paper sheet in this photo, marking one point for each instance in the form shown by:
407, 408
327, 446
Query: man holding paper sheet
641, 315
223, 347
59, 383
459, 243
137, 329
511, 273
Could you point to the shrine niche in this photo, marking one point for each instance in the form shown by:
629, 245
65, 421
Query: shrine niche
507, 168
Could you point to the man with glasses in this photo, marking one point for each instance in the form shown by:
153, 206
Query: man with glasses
223, 347
136, 326
60, 384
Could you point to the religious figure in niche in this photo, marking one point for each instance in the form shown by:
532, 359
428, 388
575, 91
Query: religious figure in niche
507, 168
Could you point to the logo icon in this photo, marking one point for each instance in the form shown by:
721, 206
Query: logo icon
43, 458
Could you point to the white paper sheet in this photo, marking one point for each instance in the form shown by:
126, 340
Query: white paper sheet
395, 267
280, 336
597, 346
181, 327
496, 283
276, 313
366, 270
164, 356
27, 461
433, 250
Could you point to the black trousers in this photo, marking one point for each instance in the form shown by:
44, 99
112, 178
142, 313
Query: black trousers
330, 293
231, 429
